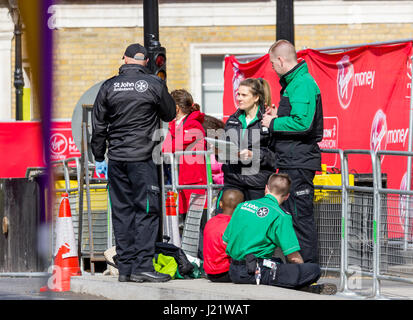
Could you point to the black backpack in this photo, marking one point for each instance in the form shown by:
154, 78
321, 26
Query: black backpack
185, 268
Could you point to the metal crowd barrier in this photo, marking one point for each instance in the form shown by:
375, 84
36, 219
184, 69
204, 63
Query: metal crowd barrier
354, 223
394, 256
375, 242
358, 227
96, 231
329, 214
210, 187
360, 223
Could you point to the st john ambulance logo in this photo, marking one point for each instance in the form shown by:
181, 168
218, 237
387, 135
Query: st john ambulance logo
262, 212
141, 86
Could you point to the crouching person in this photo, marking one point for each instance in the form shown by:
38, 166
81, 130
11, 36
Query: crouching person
255, 230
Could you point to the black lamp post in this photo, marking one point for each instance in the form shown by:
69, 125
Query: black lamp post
18, 69
151, 43
150, 23
285, 20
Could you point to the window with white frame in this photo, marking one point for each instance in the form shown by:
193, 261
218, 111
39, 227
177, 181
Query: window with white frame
207, 71
212, 84
213, 67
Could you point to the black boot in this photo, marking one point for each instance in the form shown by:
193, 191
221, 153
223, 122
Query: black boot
150, 276
123, 278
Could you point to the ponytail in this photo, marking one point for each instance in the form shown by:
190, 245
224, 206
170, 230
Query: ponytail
267, 91
196, 107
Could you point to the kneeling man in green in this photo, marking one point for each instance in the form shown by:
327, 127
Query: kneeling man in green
256, 229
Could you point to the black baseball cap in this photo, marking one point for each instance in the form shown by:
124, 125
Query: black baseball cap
133, 49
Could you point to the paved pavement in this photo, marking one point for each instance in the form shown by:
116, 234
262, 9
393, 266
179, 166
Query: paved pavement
192, 289
108, 287
28, 288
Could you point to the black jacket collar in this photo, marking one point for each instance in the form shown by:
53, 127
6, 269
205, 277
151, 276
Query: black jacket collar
260, 114
133, 68
283, 81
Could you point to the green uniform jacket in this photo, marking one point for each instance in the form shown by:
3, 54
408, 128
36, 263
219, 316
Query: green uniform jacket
259, 227
299, 126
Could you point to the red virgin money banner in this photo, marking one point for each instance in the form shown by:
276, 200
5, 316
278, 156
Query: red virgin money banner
366, 102
365, 93
61, 142
21, 146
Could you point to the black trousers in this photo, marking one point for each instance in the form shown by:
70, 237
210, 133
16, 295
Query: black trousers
300, 206
134, 195
287, 275
220, 277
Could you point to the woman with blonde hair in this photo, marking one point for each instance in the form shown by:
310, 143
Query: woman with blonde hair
256, 161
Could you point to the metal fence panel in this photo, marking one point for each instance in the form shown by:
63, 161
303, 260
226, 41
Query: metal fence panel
327, 215
395, 259
360, 230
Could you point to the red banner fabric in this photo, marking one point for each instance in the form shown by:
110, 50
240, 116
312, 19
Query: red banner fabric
366, 103
366, 100
61, 143
365, 93
21, 146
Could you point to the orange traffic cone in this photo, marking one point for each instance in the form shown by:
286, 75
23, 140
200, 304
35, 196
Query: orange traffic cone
66, 263
171, 225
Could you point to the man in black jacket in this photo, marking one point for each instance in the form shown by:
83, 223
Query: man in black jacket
125, 115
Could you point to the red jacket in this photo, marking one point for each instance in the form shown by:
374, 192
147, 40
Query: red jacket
215, 259
189, 135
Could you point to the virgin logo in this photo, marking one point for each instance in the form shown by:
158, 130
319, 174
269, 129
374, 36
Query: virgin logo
345, 81
378, 131
58, 143
409, 67
236, 80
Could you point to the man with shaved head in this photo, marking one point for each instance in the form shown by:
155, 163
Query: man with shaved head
297, 126
216, 261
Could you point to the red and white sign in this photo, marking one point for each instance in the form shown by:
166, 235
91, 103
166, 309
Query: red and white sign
330, 141
21, 146
61, 142
345, 81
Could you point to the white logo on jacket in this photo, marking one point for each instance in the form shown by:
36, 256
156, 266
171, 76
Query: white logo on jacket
141, 86
262, 212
